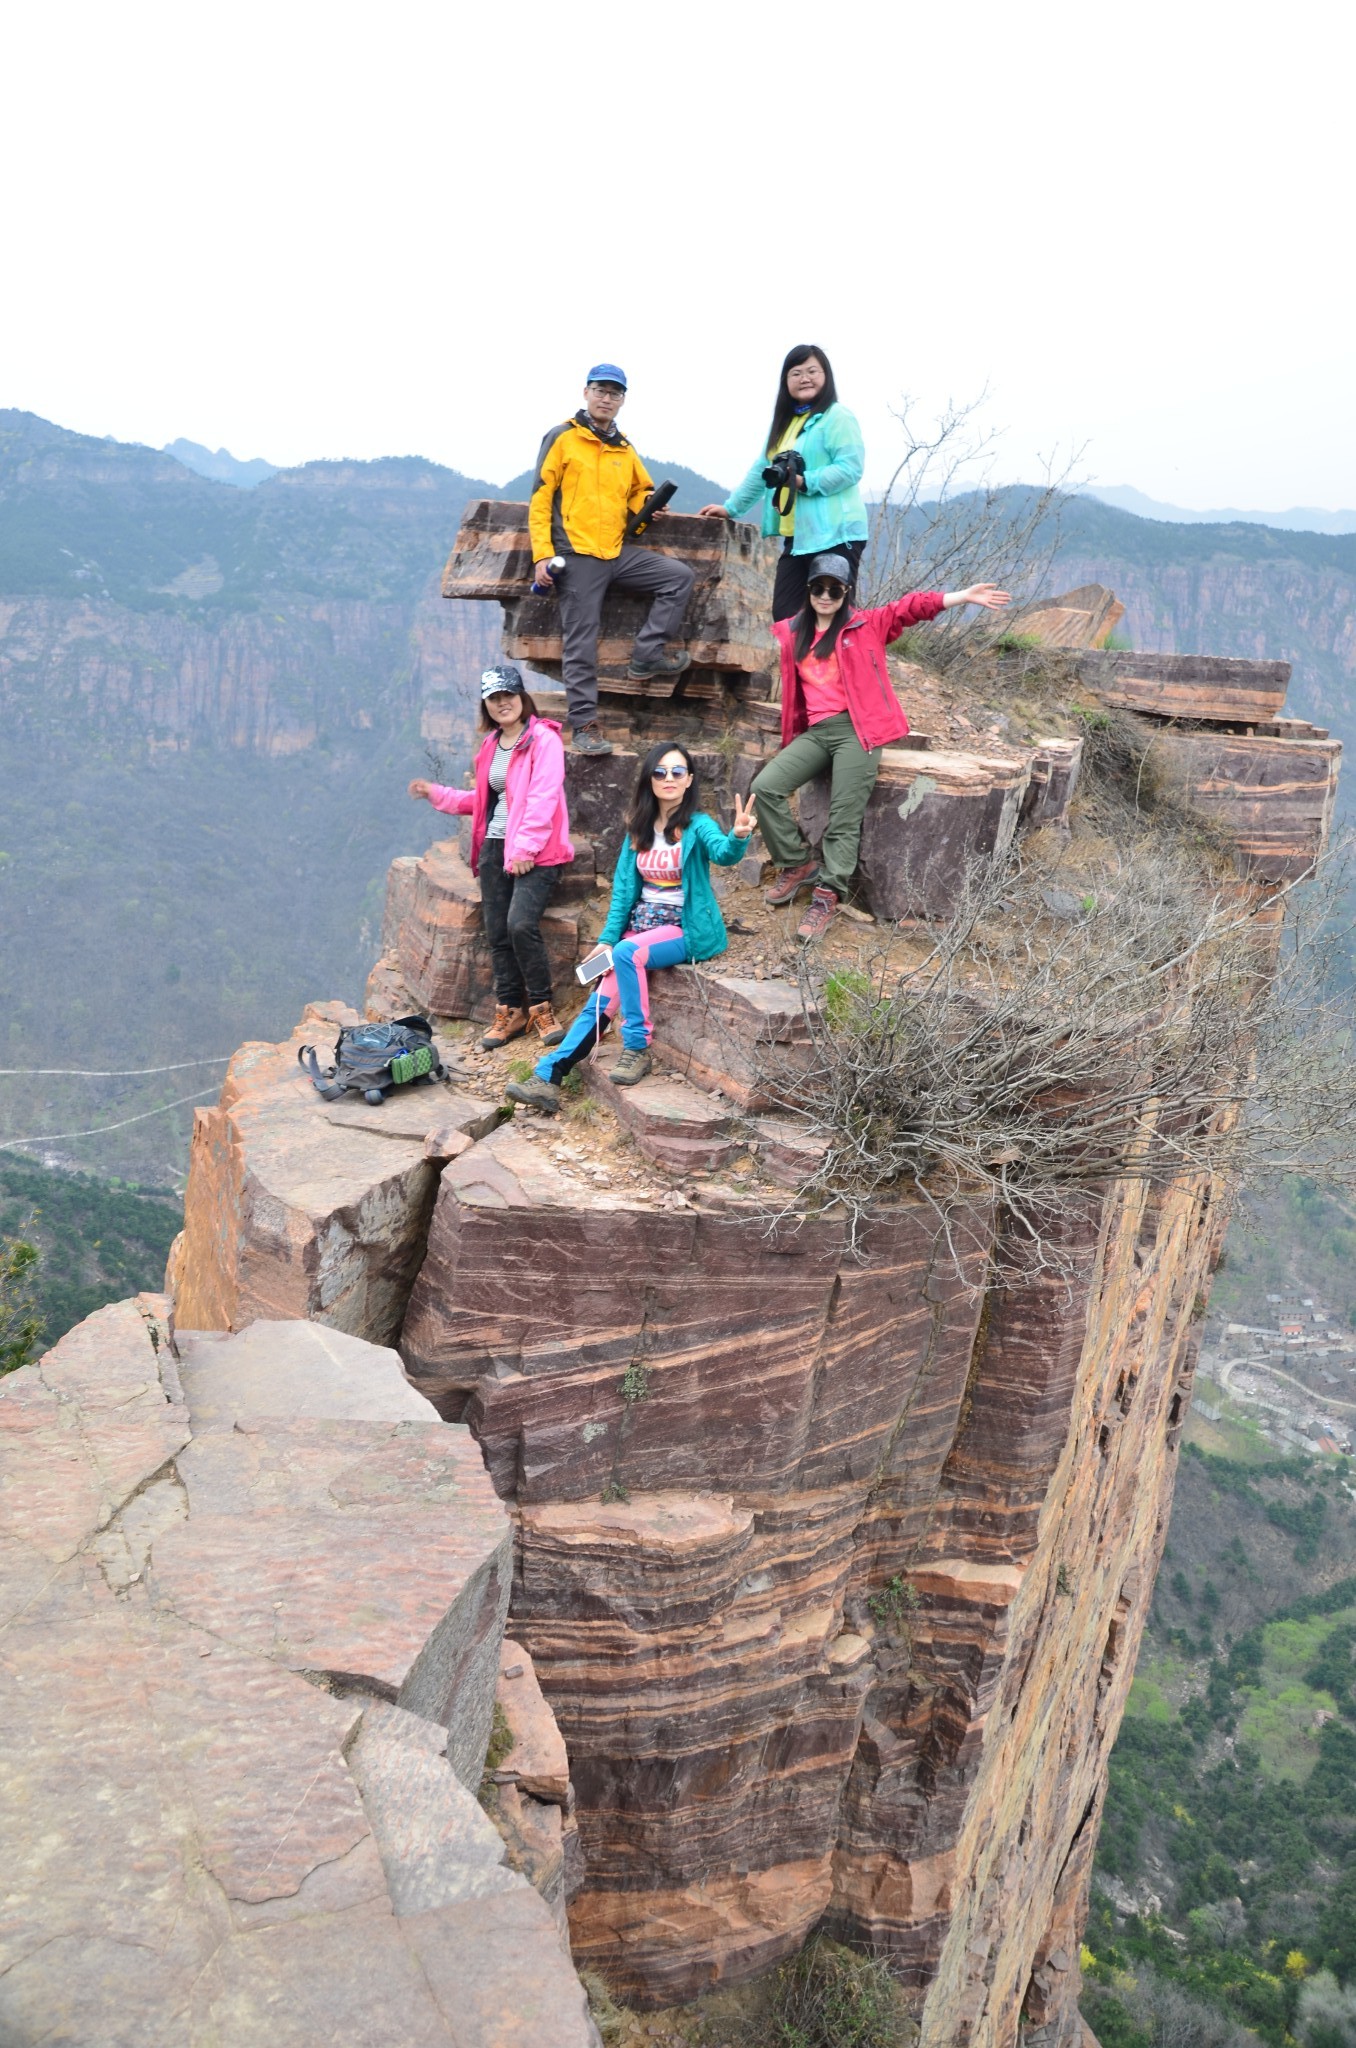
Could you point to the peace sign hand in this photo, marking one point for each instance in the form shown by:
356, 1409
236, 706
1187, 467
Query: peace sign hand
745, 818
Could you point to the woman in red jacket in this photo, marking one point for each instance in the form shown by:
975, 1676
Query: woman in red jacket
520, 847
838, 711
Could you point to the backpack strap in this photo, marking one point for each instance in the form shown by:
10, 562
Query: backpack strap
329, 1090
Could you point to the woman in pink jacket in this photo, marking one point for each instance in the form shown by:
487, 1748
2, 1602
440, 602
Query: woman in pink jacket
839, 710
520, 841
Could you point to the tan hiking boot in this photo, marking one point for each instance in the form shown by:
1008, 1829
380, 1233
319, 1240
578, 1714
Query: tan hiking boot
541, 1018
507, 1024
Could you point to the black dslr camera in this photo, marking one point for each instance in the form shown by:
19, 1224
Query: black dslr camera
783, 475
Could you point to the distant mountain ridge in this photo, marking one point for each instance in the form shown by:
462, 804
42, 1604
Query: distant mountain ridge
220, 465
694, 490
1298, 518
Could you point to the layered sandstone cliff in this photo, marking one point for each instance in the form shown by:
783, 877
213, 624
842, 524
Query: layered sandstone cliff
831, 1561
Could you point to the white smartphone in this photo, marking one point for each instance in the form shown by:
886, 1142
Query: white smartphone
595, 969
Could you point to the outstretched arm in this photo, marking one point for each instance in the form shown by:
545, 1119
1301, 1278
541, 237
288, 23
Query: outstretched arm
458, 803
988, 594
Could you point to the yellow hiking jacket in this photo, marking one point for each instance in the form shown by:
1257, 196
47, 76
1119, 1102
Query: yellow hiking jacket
584, 491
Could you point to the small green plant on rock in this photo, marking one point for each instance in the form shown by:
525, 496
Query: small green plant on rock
500, 1743
893, 1603
635, 1384
612, 1492
843, 990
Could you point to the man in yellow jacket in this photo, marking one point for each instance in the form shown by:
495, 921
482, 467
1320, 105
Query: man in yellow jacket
589, 480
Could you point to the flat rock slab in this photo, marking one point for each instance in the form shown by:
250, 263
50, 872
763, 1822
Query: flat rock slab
277, 1514
728, 1032
288, 1371
203, 1844
1187, 686
787, 1151
298, 1209
670, 1120
416, 1112
80, 1436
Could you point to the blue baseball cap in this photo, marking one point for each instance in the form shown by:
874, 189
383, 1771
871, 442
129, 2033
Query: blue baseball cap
606, 373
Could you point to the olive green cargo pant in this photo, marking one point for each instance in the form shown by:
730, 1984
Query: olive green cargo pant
830, 748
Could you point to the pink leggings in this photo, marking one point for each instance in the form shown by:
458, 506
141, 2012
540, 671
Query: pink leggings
625, 989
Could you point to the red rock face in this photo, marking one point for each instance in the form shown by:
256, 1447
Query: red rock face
833, 1585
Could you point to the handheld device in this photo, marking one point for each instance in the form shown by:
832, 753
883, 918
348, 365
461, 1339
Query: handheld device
657, 500
594, 970
556, 565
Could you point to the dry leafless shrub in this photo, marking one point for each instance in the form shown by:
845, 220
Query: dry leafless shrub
1146, 1020
943, 523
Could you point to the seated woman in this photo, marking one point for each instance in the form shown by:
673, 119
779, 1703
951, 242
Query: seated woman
520, 846
664, 910
838, 712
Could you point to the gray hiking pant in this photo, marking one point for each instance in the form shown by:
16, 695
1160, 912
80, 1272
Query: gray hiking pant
583, 587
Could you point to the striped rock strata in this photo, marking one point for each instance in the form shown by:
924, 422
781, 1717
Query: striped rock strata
833, 1583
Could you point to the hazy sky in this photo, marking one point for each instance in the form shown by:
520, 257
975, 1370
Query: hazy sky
306, 230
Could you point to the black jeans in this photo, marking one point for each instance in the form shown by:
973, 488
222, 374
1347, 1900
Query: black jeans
510, 909
791, 591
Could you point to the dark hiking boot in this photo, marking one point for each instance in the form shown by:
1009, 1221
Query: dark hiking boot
633, 1066
536, 1093
508, 1023
790, 882
541, 1018
587, 739
820, 915
659, 665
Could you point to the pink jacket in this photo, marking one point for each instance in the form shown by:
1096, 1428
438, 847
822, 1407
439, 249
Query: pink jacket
538, 823
877, 714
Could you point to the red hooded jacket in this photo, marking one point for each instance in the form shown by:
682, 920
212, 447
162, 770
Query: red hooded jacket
877, 714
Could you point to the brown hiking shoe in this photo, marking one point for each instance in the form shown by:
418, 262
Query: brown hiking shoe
633, 1066
541, 1018
790, 882
586, 739
820, 915
507, 1024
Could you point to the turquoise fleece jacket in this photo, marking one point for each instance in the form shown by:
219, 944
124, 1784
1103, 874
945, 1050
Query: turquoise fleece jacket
829, 507
703, 925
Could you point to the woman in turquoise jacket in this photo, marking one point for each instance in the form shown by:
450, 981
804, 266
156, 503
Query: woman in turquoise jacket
822, 511
664, 910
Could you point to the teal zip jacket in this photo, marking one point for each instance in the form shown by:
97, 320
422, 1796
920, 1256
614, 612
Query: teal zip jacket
829, 508
703, 925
